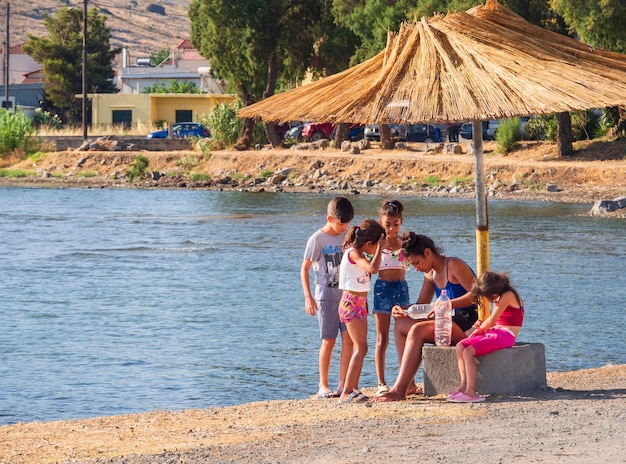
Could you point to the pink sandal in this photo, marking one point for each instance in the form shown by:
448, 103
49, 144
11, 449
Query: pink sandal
454, 394
463, 398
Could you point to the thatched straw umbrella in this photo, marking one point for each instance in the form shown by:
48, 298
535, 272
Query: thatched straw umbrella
486, 63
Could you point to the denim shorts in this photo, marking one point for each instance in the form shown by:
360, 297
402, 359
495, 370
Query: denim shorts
389, 293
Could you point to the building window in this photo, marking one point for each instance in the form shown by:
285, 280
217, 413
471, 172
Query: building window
123, 118
184, 115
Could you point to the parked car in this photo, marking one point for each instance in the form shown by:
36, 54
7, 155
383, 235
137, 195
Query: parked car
182, 130
490, 128
313, 131
356, 132
372, 132
294, 134
282, 129
406, 132
420, 133
466, 131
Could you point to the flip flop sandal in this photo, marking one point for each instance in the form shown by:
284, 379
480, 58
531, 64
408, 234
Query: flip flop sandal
382, 389
356, 397
463, 398
328, 394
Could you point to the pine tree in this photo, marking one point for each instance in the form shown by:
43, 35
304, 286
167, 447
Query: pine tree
60, 54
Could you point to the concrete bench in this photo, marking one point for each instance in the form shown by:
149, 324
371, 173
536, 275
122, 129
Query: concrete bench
511, 370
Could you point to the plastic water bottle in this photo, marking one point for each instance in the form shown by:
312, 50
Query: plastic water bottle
418, 311
443, 320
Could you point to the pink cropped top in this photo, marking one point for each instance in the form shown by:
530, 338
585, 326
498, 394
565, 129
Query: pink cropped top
393, 259
511, 316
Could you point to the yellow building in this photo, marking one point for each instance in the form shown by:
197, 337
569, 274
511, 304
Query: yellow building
130, 109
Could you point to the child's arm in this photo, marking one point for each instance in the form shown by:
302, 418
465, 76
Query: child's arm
370, 266
426, 297
310, 306
505, 300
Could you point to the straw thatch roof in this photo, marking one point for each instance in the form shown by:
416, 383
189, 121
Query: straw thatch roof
486, 63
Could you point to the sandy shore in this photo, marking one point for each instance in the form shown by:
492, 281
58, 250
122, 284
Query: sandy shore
579, 418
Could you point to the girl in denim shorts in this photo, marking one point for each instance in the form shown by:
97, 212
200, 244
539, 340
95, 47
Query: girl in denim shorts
391, 288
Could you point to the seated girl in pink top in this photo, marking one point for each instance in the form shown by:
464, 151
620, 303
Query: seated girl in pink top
496, 332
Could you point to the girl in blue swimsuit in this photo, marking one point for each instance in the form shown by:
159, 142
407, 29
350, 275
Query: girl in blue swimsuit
440, 272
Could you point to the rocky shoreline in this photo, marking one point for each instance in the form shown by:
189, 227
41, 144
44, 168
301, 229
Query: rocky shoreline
532, 173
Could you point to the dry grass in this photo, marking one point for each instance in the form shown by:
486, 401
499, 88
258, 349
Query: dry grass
117, 130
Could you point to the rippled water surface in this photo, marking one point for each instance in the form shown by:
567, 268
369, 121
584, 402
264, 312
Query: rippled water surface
122, 301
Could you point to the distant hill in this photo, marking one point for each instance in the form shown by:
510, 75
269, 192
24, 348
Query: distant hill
144, 26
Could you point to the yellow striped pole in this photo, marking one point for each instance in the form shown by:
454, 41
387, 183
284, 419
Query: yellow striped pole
482, 218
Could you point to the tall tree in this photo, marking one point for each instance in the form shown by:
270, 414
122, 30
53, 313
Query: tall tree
597, 22
370, 20
60, 55
254, 45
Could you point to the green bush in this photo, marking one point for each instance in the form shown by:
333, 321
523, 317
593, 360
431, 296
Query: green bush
508, 134
585, 124
15, 173
43, 118
138, 168
16, 131
259, 135
224, 124
542, 127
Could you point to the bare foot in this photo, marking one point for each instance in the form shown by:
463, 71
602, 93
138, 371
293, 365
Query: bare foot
389, 397
414, 390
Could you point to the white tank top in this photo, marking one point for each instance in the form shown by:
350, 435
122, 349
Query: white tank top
351, 276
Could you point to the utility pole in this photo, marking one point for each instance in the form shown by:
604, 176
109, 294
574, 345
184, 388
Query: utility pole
6, 63
84, 70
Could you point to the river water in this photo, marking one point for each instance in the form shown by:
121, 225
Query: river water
123, 301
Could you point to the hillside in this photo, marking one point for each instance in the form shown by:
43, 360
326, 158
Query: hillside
131, 24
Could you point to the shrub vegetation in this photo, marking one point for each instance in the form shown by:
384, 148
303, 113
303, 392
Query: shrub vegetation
16, 133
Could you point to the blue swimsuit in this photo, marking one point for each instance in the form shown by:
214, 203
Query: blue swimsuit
466, 316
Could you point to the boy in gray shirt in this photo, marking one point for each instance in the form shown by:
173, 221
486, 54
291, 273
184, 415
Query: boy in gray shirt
323, 254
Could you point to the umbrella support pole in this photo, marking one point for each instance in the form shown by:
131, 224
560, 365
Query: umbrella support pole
482, 221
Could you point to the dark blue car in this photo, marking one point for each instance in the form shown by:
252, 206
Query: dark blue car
182, 130
420, 133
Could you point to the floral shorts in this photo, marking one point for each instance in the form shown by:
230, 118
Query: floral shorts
352, 306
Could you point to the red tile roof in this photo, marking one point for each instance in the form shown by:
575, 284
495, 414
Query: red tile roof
16, 49
192, 54
184, 44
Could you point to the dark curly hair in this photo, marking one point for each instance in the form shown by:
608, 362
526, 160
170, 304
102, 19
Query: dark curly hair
415, 244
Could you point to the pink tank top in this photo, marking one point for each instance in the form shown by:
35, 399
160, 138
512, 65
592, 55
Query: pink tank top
511, 316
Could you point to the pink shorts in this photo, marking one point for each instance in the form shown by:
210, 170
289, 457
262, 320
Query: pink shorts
496, 338
352, 306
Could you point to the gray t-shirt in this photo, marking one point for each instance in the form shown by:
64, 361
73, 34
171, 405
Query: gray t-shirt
325, 252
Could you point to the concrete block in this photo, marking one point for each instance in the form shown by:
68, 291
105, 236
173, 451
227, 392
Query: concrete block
521, 367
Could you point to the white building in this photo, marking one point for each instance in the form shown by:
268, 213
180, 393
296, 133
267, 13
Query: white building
184, 64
